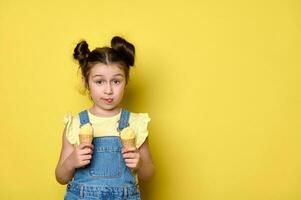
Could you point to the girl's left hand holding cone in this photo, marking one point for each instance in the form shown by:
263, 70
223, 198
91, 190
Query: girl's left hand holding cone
131, 157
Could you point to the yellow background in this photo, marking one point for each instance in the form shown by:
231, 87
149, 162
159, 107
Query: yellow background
220, 80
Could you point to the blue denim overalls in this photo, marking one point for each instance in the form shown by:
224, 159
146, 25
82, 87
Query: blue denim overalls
106, 177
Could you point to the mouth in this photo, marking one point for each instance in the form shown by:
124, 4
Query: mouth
108, 100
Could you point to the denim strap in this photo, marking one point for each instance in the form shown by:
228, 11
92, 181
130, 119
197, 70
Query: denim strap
124, 119
84, 117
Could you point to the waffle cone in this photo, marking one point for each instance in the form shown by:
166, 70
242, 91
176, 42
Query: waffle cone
128, 143
85, 139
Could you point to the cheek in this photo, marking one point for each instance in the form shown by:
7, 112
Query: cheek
120, 90
95, 91
93, 94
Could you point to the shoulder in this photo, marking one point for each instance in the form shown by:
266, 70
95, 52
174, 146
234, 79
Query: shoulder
136, 118
70, 119
139, 122
72, 123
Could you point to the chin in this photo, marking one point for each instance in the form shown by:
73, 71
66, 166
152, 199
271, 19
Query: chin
110, 107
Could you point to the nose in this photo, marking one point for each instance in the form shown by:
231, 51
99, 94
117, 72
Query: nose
108, 89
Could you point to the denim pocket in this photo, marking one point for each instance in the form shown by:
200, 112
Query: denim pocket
106, 162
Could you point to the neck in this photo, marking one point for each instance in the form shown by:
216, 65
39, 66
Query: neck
103, 112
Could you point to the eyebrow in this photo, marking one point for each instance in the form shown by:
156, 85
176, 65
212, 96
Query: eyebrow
103, 75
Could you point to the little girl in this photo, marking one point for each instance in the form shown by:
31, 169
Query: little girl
105, 169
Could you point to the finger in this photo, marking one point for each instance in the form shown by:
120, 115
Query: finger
130, 161
86, 157
129, 149
86, 145
129, 155
87, 151
85, 162
125, 150
132, 166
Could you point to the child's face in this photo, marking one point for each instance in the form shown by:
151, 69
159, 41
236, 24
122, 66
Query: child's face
106, 84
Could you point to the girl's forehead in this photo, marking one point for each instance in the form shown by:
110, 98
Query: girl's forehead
102, 69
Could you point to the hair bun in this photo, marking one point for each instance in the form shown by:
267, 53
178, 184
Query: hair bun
81, 52
126, 49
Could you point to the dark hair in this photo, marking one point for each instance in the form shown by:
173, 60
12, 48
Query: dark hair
121, 52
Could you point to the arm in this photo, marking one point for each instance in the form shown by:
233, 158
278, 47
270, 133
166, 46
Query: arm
70, 159
140, 160
147, 169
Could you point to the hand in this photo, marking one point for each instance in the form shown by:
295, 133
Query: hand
81, 155
131, 157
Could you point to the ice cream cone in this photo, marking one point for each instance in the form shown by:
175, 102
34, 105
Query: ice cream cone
128, 137
85, 139
86, 134
127, 143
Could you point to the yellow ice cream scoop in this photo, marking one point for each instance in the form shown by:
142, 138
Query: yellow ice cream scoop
86, 133
128, 137
127, 133
86, 129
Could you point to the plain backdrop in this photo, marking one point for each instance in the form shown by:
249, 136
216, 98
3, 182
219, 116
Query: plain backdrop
219, 79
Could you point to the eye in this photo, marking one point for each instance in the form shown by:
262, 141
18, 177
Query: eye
100, 82
116, 82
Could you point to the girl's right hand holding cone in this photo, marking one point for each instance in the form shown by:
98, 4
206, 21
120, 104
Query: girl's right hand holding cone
81, 155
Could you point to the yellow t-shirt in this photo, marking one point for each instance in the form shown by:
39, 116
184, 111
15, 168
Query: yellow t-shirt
107, 126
